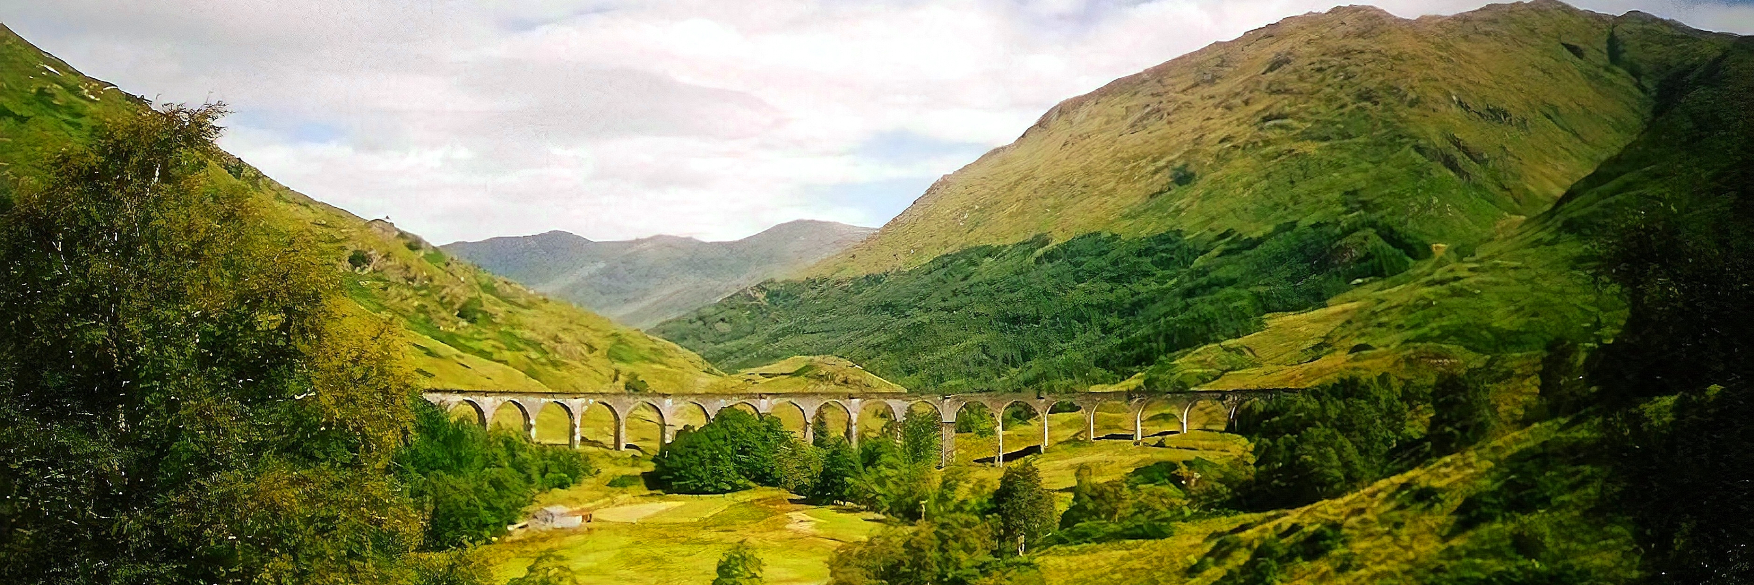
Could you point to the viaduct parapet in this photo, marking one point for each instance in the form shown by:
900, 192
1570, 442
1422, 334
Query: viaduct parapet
948, 407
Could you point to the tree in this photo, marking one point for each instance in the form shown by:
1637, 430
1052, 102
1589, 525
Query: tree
1462, 413
184, 394
799, 467
976, 418
1092, 501
840, 468
700, 461
1025, 509
473, 482
730, 453
739, 566
920, 437
1564, 389
1324, 442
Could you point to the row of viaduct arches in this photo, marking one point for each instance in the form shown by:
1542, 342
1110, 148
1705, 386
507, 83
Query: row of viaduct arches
948, 407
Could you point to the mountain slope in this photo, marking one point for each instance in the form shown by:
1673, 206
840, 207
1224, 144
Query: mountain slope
467, 329
642, 282
1377, 228
1444, 127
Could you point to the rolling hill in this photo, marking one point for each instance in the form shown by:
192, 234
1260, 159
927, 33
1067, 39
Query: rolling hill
466, 328
1339, 193
645, 281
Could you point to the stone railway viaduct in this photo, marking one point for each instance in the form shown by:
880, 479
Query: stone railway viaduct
948, 407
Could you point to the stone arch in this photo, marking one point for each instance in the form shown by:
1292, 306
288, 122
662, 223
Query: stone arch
556, 423
1222, 404
743, 405
1024, 434
846, 423
783, 409
875, 416
610, 433
962, 413
637, 411
1108, 418
946, 427
526, 421
472, 406
688, 413
1157, 415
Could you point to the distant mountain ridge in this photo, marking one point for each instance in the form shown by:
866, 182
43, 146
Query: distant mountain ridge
645, 281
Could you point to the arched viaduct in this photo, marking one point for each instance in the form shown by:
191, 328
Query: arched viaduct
948, 407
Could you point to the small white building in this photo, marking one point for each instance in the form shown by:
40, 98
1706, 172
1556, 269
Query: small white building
555, 517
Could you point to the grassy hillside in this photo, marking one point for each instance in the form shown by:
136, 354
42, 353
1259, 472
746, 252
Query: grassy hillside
1447, 128
1339, 231
645, 281
466, 328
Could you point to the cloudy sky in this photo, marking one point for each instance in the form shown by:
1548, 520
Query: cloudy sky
617, 119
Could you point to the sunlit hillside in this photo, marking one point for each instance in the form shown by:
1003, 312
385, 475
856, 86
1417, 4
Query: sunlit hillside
467, 328
1336, 194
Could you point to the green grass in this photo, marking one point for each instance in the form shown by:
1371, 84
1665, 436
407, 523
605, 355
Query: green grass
1397, 530
682, 540
1443, 127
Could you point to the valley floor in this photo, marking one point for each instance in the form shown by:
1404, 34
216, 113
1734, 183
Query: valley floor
641, 537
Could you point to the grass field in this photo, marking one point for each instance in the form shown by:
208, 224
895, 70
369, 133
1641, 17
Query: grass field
642, 537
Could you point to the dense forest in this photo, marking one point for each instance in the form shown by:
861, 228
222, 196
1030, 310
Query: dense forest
1037, 315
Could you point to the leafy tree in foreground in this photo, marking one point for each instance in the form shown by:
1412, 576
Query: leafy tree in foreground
183, 396
474, 482
1025, 509
734, 451
739, 566
1684, 463
840, 469
920, 437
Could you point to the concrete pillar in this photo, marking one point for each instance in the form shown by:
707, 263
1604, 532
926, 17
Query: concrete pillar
947, 435
1139, 425
667, 433
809, 429
1090, 422
530, 421
999, 459
572, 427
620, 431
1186, 410
1044, 428
488, 409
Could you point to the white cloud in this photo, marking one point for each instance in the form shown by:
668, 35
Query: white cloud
614, 119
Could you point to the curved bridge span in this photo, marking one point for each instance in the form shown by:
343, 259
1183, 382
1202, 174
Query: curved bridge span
668, 406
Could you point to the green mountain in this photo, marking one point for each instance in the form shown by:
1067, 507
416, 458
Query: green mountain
1567, 500
1338, 193
645, 281
466, 328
